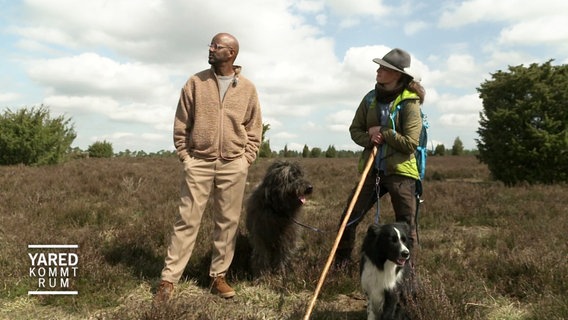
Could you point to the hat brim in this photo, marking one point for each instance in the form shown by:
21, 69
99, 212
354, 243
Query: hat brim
390, 66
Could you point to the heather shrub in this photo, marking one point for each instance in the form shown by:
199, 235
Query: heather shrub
486, 251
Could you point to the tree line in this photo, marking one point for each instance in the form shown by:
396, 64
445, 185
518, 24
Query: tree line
30, 136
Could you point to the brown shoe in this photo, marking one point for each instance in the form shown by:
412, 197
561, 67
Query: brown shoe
220, 287
164, 292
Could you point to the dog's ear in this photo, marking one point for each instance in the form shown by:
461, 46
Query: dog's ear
374, 229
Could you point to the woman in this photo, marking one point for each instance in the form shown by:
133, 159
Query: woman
388, 117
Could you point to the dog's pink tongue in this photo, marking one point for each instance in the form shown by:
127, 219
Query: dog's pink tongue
401, 261
302, 199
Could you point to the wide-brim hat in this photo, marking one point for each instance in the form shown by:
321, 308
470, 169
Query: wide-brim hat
397, 59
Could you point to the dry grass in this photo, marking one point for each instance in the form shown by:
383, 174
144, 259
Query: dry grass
487, 251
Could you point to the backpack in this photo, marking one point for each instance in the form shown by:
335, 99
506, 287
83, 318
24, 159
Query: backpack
421, 152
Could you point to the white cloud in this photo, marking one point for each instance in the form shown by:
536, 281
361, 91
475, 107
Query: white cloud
461, 63
349, 23
89, 73
352, 13
37, 38
458, 71
460, 120
285, 135
460, 104
82, 105
274, 122
358, 62
342, 116
532, 23
543, 30
36, 46
321, 19
6, 97
160, 115
309, 6
340, 121
475, 11
359, 7
157, 115
414, 27
337, 127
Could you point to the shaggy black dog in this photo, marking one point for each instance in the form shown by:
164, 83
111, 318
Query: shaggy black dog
271, 210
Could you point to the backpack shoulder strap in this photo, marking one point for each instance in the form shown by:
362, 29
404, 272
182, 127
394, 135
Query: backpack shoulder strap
397, 108
371, 101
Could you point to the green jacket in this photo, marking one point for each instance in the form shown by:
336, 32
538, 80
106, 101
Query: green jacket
401, 134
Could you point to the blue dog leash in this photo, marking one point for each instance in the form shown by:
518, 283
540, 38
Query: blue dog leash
378, 190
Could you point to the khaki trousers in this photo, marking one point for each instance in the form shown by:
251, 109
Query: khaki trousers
225, 181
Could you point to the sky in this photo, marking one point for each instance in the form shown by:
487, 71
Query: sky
116, 67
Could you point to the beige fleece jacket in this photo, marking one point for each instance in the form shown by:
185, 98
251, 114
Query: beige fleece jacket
206, 127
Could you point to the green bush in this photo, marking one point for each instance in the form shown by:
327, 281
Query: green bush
331, 152
523, 135
101, 149
440, 150
457, 148
32, 137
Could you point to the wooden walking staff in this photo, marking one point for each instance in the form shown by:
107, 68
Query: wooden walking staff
340, 233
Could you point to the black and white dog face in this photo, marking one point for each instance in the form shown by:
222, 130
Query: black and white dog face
384, 266
387, 243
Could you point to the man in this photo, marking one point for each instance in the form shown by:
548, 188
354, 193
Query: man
217, 134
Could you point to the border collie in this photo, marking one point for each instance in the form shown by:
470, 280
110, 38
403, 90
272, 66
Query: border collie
384, 266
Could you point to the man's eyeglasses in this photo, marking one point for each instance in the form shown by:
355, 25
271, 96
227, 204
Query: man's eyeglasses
216, 47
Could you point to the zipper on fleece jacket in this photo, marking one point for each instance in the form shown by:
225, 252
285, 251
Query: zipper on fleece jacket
220, 120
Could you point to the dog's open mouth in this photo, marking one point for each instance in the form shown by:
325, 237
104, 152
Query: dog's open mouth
308, 191
401, 261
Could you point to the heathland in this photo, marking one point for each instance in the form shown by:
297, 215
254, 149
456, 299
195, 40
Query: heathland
487, 251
